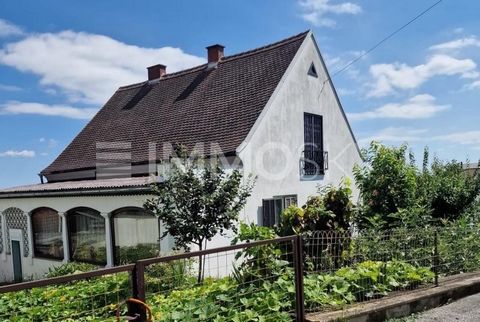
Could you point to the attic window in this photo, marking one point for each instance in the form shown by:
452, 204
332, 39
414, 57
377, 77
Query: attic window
312, 71
141, 93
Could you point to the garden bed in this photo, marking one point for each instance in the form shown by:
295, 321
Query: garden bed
399, 304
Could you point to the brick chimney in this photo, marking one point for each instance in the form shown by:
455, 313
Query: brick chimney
215, 54
156, 71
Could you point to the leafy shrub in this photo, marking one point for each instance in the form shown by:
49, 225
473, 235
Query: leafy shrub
330, 210
396, 193
70, 268
447, 189
292, 221
168, 276
260, 262
338, 200
459, 248
131, 254
387, 183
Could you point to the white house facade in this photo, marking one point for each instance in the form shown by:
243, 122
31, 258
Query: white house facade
271, 112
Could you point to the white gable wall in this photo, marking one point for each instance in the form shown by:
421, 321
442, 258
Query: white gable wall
280, 128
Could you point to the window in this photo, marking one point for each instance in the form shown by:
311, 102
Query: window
313, 154
312, 71
86, 234
47, 233
272, 208
135, 235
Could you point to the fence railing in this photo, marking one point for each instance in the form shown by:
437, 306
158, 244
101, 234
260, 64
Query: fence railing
210, 285
78, 296
277, 279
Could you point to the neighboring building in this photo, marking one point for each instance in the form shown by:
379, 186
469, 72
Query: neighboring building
271, 112
471, 168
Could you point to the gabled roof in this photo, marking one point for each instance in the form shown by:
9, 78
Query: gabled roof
198, 105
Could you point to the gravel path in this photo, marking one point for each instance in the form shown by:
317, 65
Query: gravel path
466, 309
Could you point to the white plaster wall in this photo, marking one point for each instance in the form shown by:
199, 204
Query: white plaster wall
281, 125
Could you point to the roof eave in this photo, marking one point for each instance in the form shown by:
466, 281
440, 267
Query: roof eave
139, 190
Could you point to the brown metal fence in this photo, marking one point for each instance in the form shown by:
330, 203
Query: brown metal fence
351, 268
261, 278
271, 280
77, 297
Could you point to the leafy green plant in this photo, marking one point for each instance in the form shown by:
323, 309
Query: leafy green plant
447, 189
165, 277
332, 209
223, 300
337, 200
292, 221
131, 254
260, 262
70, 268
387, 183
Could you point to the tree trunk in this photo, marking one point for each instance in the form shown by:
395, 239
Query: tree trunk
200, 264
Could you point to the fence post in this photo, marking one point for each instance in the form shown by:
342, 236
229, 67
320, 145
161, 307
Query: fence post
435, 255
138, 292
298, 266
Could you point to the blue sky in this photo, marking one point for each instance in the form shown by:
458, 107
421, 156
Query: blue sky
61, 60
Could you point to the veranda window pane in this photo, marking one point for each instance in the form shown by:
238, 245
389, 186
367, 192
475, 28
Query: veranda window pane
47, 233
87, 236
136, 236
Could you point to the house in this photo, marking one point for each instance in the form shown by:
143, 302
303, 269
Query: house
272, 112
471, 168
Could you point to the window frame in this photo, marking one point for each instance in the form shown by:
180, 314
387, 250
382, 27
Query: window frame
33, 213
314, 146
283, 201
112, 228
69, 216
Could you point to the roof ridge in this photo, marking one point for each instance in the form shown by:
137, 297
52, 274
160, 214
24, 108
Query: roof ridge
267, 47
225, 59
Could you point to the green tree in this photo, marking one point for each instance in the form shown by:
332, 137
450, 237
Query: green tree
387, 183
198, 201
446, 188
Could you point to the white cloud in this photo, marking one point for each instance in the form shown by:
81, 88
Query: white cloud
388, 77
395, 134
473, 86
18, 154
315, 11
89, 67
9, 29
51, 143
418, 107
14, 107
467, 137
9, 88
457, 44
